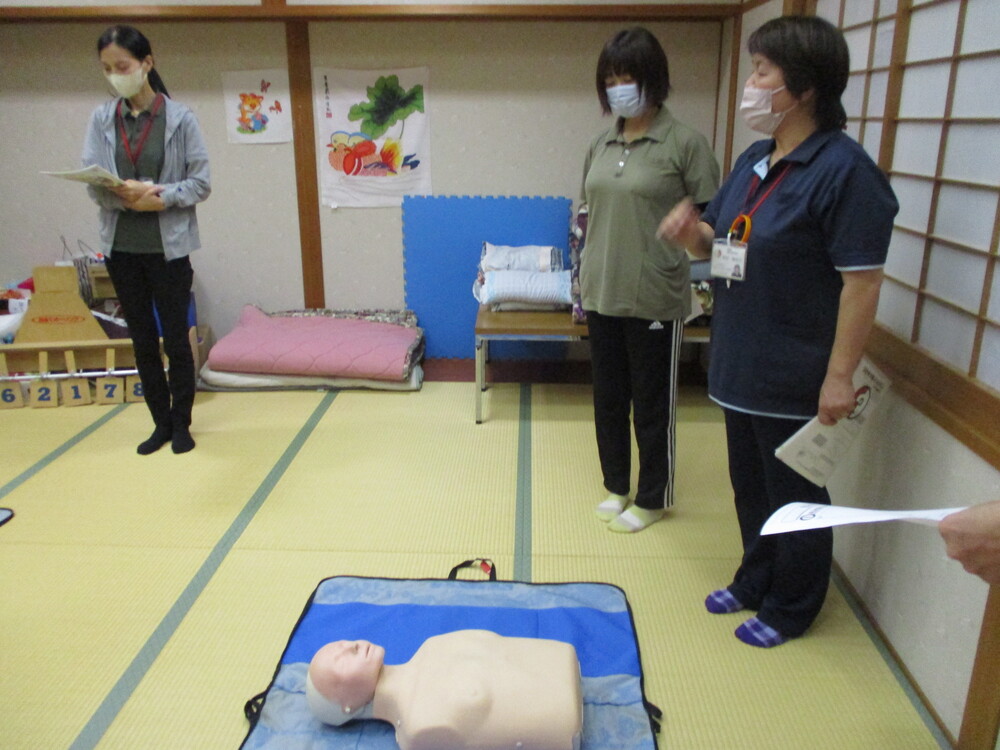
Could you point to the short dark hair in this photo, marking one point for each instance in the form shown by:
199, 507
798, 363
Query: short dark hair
136, 44
637, 53
812, 54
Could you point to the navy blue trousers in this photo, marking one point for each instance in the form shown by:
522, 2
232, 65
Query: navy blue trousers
783, 576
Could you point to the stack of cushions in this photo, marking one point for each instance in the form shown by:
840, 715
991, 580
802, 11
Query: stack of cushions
525, 277
380, 349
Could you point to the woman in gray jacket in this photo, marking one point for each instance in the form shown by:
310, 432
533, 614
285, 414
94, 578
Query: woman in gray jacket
148, 224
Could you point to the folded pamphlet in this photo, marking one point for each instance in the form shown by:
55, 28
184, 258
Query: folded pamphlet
92, 175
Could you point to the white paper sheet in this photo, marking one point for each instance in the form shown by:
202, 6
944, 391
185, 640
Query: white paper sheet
816, 449
92, 175
803, 516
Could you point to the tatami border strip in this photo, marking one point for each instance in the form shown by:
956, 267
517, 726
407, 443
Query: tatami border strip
28, 473
119, 694
844, 587
522, 527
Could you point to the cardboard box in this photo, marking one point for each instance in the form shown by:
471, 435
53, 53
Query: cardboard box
56, 311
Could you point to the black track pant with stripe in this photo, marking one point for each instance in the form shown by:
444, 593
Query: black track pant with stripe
634, 363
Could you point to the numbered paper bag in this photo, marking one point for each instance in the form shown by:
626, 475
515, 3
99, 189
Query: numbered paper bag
110, 391
75, 392
11, 396
43, 394
133, 389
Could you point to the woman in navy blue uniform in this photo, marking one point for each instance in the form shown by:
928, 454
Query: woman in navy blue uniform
806, 217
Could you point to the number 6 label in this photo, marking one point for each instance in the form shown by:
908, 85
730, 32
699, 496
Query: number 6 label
11, 396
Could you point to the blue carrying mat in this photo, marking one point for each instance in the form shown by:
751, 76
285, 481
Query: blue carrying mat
400, 614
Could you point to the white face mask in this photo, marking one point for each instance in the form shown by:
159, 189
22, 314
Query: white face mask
625, 100
127, 84
756, 109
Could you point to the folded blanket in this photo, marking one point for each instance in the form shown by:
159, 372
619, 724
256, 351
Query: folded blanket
551, 287
520, 258
212, 380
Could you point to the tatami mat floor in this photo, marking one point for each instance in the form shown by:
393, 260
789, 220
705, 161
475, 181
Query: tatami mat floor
145, 599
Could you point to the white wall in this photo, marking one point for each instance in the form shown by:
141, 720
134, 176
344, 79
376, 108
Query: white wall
929, 608
50, 81
512, 106
512, 109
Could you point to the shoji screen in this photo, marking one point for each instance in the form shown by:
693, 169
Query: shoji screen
942, 290
869, 26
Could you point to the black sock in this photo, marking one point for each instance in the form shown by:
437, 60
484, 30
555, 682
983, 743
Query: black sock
160, 437
182, 442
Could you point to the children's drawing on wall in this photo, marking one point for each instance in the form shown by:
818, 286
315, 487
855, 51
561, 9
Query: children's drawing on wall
257, 106
373, 136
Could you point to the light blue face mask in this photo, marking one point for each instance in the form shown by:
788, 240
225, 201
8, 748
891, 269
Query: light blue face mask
625, 100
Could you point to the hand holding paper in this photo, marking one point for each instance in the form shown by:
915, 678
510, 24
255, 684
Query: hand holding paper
804, 516
973, 538
816, 449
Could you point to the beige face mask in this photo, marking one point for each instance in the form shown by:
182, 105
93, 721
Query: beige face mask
127, 84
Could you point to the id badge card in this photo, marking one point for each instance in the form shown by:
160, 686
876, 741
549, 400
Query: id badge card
729, 259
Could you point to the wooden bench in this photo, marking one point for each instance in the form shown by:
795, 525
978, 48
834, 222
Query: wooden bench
534, 326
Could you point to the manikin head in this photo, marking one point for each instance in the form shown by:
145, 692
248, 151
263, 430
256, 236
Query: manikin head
340, 683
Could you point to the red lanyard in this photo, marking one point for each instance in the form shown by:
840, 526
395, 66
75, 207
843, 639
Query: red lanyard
744, 218
141, 143
753, 186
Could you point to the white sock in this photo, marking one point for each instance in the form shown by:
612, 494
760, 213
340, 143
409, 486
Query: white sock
611, 506
635, 519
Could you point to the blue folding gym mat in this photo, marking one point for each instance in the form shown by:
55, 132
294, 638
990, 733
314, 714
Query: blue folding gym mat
400, 614
442, 243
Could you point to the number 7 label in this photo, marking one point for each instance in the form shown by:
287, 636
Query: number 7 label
110, 391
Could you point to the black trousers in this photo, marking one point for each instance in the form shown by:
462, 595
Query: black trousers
634, 364
142, 281
783, 576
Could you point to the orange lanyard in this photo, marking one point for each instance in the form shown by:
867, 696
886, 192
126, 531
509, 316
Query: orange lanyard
744, 218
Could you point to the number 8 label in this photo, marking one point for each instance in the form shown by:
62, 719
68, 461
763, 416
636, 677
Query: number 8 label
133, 389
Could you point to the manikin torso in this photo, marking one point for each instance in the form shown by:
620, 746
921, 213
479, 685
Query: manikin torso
476, 690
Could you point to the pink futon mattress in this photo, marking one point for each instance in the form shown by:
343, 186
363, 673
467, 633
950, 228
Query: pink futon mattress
319, 343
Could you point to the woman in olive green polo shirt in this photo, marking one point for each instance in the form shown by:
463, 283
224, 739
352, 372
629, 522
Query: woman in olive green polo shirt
636, 288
